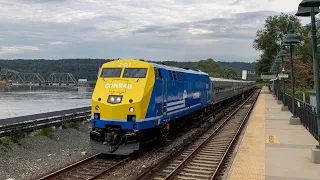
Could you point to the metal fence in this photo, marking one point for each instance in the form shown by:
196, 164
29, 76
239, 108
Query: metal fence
36, 124
306, 113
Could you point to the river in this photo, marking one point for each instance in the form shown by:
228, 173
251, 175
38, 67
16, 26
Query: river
27, 100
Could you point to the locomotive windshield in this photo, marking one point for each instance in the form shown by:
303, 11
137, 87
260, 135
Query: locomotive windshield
111, 72
135, 73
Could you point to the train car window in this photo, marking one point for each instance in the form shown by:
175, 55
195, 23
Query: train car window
174, 76
157, 73
111, 72
135, 72
180, 76
170, 74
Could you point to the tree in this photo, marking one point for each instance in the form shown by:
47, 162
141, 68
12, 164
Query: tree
306, 45
229, 74
268, 39
208, 66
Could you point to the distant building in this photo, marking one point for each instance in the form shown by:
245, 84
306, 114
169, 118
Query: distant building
313, 98
249, 75
82, 81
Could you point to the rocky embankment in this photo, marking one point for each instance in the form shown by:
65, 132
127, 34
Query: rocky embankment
34, 156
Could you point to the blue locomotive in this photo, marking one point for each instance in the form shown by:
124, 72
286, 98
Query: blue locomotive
136, 101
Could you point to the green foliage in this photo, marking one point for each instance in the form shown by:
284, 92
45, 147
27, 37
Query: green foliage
44, 132
229, 74
92, 84
70, 125
213, 69
268, 39
259, 81
80, 68
298, 92
208, 66
88, 68
7, 141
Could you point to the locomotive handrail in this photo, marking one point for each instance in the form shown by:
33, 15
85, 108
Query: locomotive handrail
36, 124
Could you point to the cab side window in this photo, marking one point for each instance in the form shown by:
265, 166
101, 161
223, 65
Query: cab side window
157, 73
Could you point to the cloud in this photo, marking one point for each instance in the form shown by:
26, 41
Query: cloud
17, 49
156, 30
57, 42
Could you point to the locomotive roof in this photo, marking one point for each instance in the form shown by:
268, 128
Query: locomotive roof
228, 80
178, 69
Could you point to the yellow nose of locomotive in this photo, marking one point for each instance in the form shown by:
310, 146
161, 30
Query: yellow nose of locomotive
122, 92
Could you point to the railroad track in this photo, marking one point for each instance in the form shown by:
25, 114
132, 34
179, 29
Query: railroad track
204, 157
95, 167
90, 168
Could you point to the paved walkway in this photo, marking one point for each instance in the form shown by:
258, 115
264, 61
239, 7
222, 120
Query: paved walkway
273, 149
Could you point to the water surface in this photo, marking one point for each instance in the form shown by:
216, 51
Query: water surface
26, 100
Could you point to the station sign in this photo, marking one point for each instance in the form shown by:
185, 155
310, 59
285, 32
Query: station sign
267, 77
283, 75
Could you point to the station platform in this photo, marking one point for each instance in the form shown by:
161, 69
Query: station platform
271, 148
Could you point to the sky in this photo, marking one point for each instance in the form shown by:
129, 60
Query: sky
158, 30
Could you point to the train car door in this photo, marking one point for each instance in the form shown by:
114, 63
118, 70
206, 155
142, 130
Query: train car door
160, 86
165, 95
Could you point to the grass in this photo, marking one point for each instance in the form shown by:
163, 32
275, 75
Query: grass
44, 132
7, 141
70, 125
260, 84
92, 84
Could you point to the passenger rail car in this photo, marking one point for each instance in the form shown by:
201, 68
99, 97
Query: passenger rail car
136, 101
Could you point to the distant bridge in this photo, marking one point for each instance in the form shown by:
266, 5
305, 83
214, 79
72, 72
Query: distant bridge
14, 77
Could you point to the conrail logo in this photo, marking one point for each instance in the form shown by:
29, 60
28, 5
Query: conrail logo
128, 86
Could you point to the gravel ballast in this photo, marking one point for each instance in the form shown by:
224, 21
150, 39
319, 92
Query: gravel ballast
35, 156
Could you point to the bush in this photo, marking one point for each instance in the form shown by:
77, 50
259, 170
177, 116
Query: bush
299, 93
6, 141
44, 132
259, 81
69, 125
92, 84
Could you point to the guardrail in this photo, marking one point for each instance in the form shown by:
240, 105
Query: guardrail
306, 112
36, 124
21, 119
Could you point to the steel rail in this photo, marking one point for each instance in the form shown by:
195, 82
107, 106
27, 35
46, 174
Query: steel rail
79, 168
68, 168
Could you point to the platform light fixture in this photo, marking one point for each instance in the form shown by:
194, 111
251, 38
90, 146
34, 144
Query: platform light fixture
273, 71
277, 62
310, 3
282, 53
290, 40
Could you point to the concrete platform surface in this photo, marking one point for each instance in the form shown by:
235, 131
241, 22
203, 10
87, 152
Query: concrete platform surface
273, 149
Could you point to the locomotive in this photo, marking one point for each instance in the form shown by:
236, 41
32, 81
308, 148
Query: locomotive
136, 101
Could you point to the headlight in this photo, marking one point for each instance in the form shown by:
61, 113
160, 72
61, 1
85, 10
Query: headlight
131, 109
114, 99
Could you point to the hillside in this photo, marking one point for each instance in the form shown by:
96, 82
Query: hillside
87, 68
